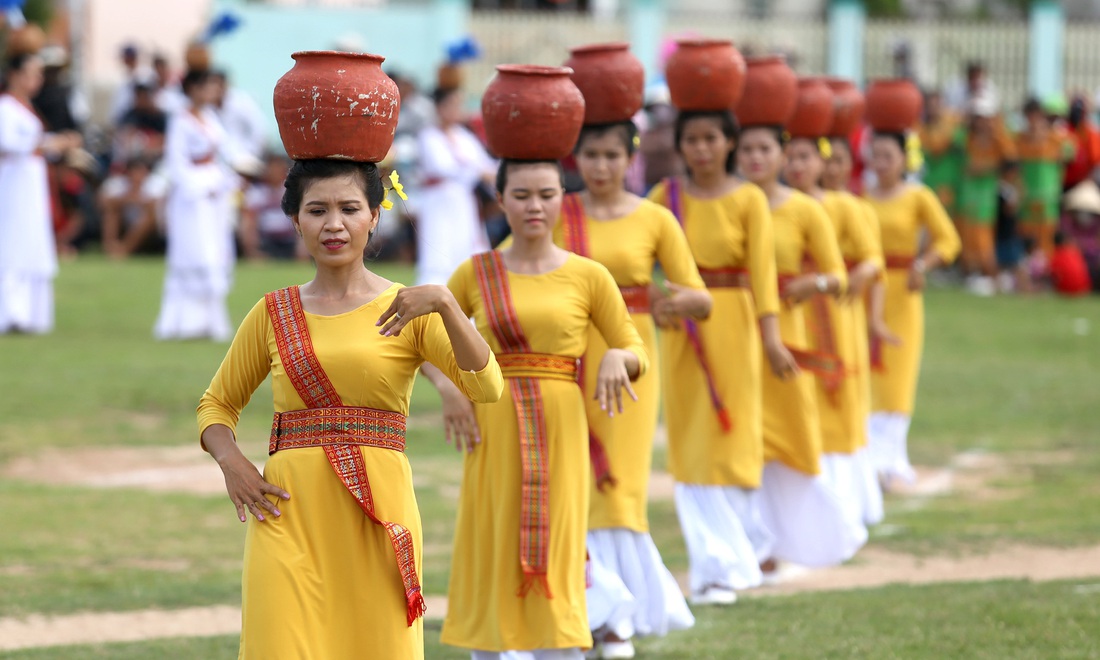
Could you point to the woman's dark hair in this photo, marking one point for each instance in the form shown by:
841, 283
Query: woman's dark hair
441, 94
897, 138
726, 121
776, 131
841, 143
12, 64
508, 163
305, 172
1032, 105
624, 129
192, 79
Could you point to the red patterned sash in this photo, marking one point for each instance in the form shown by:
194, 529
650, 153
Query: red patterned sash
674, 202
575, 234
339, 429
823, 362
534, 539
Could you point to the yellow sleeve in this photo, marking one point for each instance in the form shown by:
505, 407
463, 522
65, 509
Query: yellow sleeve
610, 316
657, 194
945, 240
757, 220
461, 284
674, 253
822, 242
245, 366
859, 230
434, 345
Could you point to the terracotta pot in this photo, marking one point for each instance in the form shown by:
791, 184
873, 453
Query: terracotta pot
771, 92
336, 105
814, 109
611, 79
894, 105
705, 74
848, 105
28, 39
532, 112
197, 57
449, 76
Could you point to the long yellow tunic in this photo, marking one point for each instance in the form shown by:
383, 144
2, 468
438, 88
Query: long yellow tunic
861, 313
321, 581
843, 412
629, 247
792, 431
902, 217
733, 231
485, 612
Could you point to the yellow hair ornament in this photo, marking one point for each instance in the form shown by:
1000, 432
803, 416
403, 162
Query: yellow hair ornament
825, 147
914, 157
637, 141
395, 186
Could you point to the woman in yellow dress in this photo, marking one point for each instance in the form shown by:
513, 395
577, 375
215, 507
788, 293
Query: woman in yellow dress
332, 559
517, 586
799, 507
832, 325
632, 592
903, 209
868, 323
712, 380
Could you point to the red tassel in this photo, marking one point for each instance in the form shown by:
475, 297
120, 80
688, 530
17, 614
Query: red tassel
724, 420
415, 606
532, 582
601, 465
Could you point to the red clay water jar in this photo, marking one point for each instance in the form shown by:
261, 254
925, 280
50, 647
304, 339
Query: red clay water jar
611, 79
771, 92
705, 74
337, 105
532, 112
893, 105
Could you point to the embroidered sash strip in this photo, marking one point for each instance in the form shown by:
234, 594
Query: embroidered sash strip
823, 362
575, 235
339, 429
534, 525
691, 327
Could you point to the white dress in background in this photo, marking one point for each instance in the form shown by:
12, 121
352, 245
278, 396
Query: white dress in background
449, 229
199, 230
28, 257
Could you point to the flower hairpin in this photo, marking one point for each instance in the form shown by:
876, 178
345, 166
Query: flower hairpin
825, 148
395, 186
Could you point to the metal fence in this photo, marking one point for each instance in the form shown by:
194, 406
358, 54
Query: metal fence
938, 50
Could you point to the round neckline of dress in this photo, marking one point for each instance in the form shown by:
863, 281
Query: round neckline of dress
638, 207
568, 258
351, 311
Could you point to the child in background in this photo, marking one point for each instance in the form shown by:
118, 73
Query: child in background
1008, 245
131, 205
1068, 273
942, 140
265, 231
1044, 148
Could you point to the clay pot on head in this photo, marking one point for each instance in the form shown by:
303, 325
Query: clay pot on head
337, 105
848, 105
25, 40
449, 76
771, 92
532, 112
197, 57
813, 113
893, 105
611, 79
705, 74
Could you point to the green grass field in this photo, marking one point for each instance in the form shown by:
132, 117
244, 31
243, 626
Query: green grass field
1013, 378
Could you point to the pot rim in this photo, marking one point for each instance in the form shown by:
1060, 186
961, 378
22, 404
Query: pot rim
303, 54
534, 70
600, 47
699, 42
766, 59
892, 81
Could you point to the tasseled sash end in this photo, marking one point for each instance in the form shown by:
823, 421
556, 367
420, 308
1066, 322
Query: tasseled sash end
415, 606
535, 582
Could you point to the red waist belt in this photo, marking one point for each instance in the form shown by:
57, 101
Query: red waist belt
725, 278
340, 425
636, 298
899, 261
203, 160
537, 365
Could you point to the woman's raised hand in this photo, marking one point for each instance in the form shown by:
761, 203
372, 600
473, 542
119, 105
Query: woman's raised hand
409, 303
612, 378
248, 490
